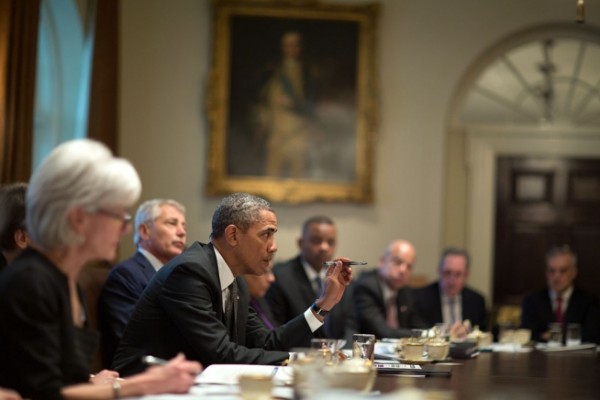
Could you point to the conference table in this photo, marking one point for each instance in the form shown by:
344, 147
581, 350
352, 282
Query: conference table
511, 375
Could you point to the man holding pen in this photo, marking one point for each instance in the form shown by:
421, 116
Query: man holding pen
198, 303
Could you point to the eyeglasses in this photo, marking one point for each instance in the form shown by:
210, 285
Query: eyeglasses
125, 218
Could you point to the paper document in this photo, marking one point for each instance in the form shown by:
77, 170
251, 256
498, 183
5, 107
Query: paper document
228, 374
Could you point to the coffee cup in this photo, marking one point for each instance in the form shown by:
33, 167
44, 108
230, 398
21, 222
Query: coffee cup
413, 351
437, 350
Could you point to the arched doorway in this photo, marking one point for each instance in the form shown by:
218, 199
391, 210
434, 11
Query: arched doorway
533, 95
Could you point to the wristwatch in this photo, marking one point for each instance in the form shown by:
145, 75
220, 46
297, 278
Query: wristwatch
318, 310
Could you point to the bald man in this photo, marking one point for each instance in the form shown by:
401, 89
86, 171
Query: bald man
384, 304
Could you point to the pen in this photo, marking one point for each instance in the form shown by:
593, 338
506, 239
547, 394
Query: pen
151, 360
331, 263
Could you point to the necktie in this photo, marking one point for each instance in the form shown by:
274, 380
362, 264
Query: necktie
451, 306
392, 312
558, 313
319, 284
231, 310
261, 313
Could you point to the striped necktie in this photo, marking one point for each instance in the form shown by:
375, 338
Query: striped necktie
231, 310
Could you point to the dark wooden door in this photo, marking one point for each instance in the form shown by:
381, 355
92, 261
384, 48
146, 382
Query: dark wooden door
542, 202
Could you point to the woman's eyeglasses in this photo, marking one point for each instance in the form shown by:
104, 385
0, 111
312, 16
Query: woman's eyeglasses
125, 218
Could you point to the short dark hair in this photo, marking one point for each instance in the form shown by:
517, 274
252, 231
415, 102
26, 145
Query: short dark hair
560, 250
317, 219
239, 209
12, 213
455, 251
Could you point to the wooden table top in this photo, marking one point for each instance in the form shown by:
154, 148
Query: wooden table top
512, 376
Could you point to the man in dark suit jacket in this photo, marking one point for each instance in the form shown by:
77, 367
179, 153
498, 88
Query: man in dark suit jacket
160, 235
297, 281
198, 303
576, 306
13, 236
449, 300
384, 304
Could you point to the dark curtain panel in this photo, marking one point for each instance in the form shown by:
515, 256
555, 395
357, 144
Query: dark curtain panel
103, 123
18, 51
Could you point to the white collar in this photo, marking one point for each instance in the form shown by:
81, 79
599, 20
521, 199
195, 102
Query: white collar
225, 275
155, 262
565, 296
310, 271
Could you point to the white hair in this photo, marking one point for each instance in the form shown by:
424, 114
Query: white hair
79, 173
148, 211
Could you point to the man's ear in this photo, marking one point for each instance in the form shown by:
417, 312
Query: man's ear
231, 235
144, 231
21, 238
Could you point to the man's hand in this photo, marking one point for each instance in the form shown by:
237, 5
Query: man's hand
336, 279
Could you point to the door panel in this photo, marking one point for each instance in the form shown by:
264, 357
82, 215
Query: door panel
542, 202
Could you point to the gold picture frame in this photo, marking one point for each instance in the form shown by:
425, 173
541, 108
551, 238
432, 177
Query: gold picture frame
292, 100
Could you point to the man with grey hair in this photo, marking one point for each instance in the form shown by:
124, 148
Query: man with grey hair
450, 300
160, 235
198, 303
561, 301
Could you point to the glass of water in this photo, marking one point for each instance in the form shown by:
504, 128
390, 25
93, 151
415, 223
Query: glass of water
555, 338
573, 335
326, 347
363, 346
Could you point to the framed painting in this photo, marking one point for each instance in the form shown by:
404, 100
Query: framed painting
292, 100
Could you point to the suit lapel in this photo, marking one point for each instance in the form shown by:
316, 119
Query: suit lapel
147, 268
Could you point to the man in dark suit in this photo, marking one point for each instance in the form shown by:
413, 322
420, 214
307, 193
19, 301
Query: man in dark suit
160, 235
298, 281
450, 300
561, 301
13, 236
198, 303
384, 304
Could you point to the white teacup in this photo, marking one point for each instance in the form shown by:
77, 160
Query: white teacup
413, 351
438, 350
522, 336
255, 386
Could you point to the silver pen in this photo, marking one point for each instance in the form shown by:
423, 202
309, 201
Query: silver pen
332, 263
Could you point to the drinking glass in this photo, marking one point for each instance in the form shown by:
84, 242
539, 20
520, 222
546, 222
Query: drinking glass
363, 346
418, 335
555, 337
327, 347
307, 366
442, 330
573, 335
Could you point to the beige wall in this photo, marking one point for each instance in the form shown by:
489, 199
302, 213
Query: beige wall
424, 49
